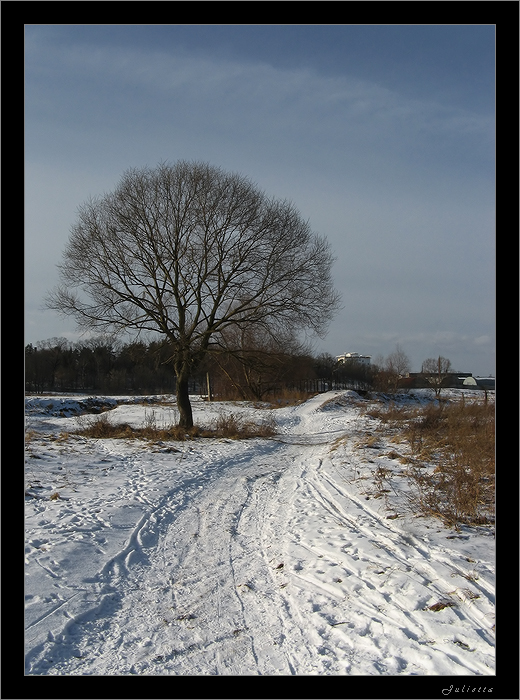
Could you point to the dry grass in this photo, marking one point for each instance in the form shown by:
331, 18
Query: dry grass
226, 425
391, 412
442, 605
369, 441
453, 449
30, 435
288, 397
230, 425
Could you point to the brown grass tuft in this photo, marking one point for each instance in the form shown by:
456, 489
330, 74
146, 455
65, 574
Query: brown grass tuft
454, 445
288, 397
229, 426
234, 427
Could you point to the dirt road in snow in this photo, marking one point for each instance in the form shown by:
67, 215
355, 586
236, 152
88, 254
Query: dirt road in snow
246, 558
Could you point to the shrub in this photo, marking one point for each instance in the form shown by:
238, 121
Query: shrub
234, 427
458, 441
102, 427
453, 446
226, 425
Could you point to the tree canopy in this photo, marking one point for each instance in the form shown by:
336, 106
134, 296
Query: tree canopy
188, 251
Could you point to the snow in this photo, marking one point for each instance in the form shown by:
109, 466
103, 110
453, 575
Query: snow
242, 557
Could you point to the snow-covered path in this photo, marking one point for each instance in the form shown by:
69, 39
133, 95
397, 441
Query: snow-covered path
260, 557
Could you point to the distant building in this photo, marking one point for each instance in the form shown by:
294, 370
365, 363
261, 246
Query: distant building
451, 380
354, 357
481, 382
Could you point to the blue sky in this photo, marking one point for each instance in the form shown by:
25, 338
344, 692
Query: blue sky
383, 136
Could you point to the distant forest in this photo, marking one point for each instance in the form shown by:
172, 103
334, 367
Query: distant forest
101, 366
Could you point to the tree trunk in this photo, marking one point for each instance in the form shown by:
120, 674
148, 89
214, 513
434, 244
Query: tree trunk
183, 403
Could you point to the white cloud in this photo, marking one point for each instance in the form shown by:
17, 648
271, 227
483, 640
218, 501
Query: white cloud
353, 109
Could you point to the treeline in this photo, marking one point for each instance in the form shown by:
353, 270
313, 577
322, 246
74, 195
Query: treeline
104, 366
97, 366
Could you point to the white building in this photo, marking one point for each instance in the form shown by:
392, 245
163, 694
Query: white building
354, 357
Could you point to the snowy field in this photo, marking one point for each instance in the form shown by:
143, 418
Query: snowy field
279, 556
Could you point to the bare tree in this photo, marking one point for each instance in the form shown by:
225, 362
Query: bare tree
188, 250
435, 370
397, 366
255, 362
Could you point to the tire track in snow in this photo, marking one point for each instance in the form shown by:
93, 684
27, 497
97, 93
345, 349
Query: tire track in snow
112, 581
235, 570
405, 547
196, 587
398, 555
274, 624
186, 570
